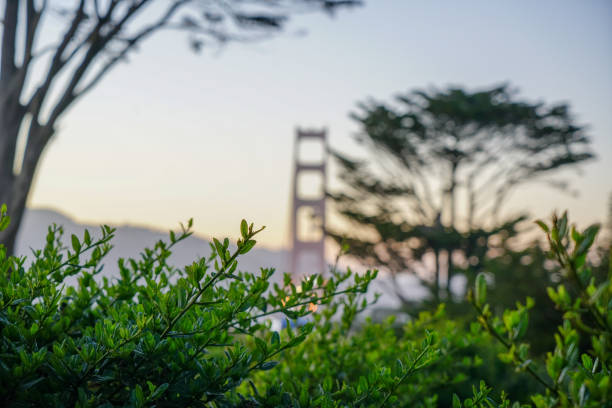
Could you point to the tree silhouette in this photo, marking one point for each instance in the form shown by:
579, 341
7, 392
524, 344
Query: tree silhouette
95, 35
440, 167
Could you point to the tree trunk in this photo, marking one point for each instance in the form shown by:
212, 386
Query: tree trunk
437, 277
9, 129
449, 253
15, 188
449, 274
15, 206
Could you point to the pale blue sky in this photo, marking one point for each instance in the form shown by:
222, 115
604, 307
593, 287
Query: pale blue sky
173, 135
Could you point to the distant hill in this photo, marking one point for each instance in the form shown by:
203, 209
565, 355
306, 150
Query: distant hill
129, 241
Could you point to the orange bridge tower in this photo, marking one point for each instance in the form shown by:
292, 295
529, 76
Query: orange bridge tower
308, 203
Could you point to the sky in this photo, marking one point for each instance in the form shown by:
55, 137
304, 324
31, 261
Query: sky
172, 135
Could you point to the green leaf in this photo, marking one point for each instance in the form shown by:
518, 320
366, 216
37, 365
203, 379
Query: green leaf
218, 247
292, 314
587, 362
399, 367
4, 219
268, 365
244, 229
76, 245
544, 227
589, 237
32, 383
563, 226
159, 391
362, 385
575, 234
247, 246
456, 401
86, 238
137, 396
481, 289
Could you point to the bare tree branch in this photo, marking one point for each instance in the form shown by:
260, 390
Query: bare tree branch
32, 21
35, 104
9, 40
98, 43
131, 42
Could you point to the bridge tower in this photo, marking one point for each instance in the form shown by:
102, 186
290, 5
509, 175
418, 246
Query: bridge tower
308, 203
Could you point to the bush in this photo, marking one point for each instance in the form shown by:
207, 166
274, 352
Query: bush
198, 336
341, 357
155, 335
577, 372
163, 336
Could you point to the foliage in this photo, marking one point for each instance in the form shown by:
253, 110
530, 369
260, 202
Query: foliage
518, 274
439, 154
156, 335
41, 77
577, 372
197, 336
342, 352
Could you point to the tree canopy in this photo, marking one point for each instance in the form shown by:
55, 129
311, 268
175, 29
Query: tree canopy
75, 44
441, 165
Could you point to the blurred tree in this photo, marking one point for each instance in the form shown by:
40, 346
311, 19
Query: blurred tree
441, 166
94, 35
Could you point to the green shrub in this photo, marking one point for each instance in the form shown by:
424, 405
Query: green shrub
341, 354
199, 336
155, 335
158, 335
577, 372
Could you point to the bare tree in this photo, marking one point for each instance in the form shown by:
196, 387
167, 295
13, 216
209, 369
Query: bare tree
96, 35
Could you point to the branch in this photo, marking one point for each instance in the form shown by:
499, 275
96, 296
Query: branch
131, 42
32, 21
57, 63
97, 9
413, 367
98, 43
427, 191
39, 53
9, 37
95, 32
484, 321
